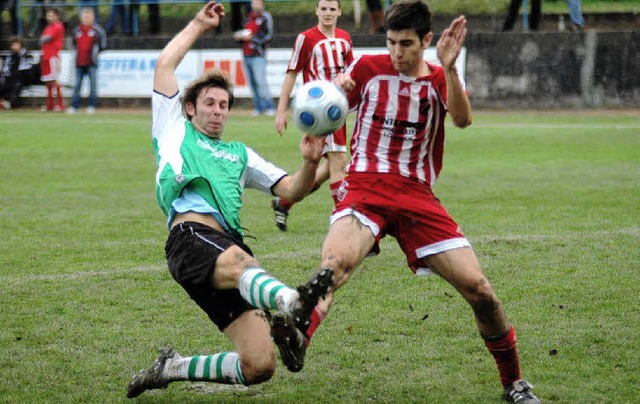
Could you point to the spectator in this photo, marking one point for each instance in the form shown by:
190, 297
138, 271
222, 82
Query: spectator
575, 15
255, 38
93, 4
376, 16
37, 20
119, 14
153, 8
89, 39
534, 17
10, 6
17, 72
52, 41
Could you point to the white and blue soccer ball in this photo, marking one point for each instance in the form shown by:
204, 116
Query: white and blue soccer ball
320, 108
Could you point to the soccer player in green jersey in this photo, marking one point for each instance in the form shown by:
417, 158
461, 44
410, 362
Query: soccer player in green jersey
199, 184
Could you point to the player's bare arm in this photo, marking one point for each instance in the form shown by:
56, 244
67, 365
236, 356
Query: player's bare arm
283, 102
295, 187
208, 17
448, 49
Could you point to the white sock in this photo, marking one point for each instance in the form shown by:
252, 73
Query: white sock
222, 367
263, 291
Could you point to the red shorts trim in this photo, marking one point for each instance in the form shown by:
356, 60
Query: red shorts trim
403, 208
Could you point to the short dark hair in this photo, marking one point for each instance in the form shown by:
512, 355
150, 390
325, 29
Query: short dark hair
338, 1
15, 39
211, 78
409, 14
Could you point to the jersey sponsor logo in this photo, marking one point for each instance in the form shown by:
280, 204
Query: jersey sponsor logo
217, 153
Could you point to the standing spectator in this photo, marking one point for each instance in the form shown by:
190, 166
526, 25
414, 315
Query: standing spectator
255, 38
119, 14
37, 20
153, 8
575, 15
52, 41
200, 180
93, 4
376, 16
89, 39
11, 7
534, 17
17, 72
397, 154
320, 53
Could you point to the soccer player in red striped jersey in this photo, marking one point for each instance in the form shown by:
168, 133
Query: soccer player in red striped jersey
397, 148
320, 53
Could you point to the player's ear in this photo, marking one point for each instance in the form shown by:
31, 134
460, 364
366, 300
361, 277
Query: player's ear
426, 40
190, 109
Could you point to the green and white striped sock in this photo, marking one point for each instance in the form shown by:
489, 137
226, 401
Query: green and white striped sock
263, 291
222, 367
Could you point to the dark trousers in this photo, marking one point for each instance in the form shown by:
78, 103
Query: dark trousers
534, 16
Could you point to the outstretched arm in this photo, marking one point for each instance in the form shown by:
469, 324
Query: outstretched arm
208, 17
449, 47
297, 186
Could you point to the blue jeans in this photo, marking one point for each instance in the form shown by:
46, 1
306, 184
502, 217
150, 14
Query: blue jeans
119, 11
82, 71
575, 12
255, 68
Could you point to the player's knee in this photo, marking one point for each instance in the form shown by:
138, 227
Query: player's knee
259, 370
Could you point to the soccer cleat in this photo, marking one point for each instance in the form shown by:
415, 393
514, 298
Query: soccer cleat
520, 393
281, 213
290, 341
310, 293
149, 379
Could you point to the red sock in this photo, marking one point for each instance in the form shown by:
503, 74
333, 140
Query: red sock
49, 102
335, 187
505, 353
285, 203
316, 318
60, 99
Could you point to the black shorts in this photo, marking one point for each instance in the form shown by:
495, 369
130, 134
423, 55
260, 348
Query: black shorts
192, 250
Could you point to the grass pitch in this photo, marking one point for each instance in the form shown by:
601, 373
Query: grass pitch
550, 200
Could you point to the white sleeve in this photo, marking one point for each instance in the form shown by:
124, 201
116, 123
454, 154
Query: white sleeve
166, 115
260, 173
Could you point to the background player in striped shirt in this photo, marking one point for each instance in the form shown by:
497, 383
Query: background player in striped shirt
320, 53
397, 149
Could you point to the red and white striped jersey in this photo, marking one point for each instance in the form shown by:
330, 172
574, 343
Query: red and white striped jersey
399, 127
319, 57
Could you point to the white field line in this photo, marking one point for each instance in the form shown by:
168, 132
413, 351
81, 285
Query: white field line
555, 126
9, 280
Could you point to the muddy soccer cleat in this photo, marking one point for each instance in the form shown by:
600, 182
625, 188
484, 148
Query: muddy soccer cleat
520, 393
281, 212
149, 379
291, 342
310, 293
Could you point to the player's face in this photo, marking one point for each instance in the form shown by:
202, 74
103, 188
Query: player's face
406, 50
210, 114
51, 17
87, 18
257, 6
328, 12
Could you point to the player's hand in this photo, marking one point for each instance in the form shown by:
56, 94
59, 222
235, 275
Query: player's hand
345, 82
451, 42
281, 122
210, 15
312, 147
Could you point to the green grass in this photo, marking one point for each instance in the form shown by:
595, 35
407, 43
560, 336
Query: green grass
549, 199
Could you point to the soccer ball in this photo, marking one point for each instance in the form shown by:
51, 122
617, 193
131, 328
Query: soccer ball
320, 108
